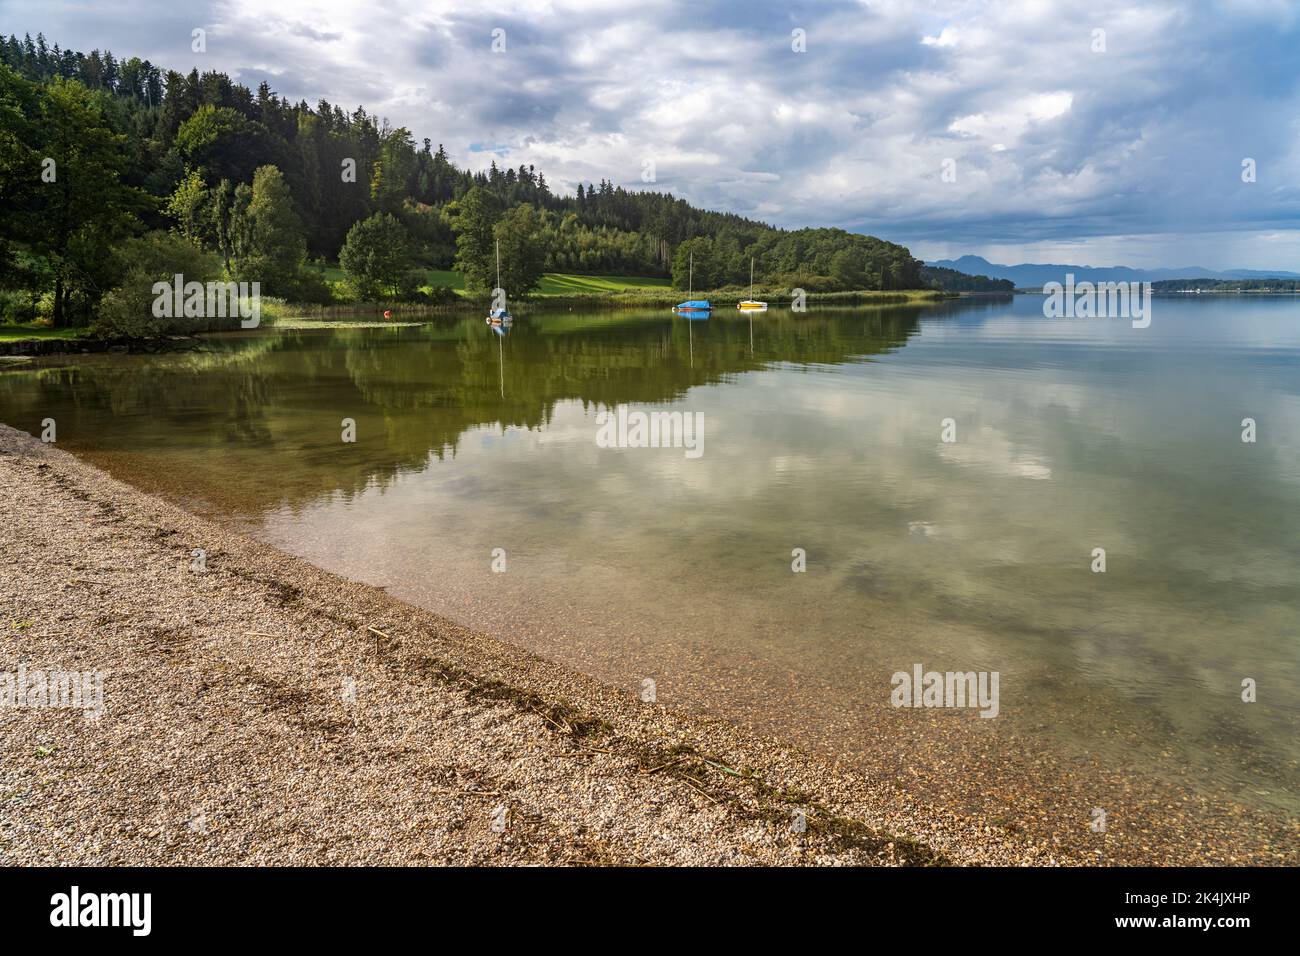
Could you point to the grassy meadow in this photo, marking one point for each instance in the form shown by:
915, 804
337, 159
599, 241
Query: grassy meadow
552, 284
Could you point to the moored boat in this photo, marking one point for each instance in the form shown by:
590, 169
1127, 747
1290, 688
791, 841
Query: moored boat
692, 306
501, 316
751, 304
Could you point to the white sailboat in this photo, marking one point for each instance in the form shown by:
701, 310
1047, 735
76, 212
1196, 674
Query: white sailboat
751, 304
499, 317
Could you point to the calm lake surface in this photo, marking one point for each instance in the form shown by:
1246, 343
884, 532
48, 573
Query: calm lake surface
822, 432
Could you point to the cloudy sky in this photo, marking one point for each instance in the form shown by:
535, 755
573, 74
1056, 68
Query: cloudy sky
1084, 131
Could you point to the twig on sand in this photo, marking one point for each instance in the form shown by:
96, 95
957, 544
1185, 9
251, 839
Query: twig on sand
378, 634
693, 786
549, 720
663, 766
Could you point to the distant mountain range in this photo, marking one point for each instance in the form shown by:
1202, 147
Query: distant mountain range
1035, 274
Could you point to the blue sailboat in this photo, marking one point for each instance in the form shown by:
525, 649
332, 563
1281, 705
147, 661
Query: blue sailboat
693, 308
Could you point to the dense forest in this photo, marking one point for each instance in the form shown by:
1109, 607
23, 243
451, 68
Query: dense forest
950, 280
116, 170
1226, 285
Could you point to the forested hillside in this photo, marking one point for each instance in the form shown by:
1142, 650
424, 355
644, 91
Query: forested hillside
1226, 285
259, 187
950, 280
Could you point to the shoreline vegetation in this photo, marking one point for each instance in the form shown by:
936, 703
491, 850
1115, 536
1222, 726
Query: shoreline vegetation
33, 339
725, 300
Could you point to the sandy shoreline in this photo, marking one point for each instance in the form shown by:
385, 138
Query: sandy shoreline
266, 711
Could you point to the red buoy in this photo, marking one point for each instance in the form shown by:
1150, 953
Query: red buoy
388, 313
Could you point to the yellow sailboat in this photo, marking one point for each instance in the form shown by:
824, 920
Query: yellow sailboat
751, 304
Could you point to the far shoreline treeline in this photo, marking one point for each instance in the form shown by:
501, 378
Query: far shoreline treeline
116, 174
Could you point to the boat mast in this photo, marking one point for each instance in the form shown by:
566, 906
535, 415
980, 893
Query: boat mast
751, 278
690, 281
498, 263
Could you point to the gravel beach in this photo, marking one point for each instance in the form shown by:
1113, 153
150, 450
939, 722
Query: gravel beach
265, 712
258, 710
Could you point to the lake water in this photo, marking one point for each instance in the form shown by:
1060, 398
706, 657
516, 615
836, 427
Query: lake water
821, 432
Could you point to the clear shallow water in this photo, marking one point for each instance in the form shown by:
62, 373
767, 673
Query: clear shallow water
821, 432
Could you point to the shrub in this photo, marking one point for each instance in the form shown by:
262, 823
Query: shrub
437, 295
310, 287
127, 309
16, 307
